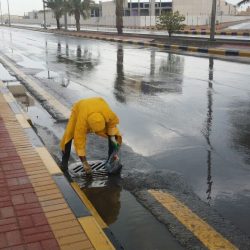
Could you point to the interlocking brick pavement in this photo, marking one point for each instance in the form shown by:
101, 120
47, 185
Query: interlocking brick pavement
33, 212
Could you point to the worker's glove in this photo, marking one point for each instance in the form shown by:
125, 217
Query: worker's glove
116, 145
87, 168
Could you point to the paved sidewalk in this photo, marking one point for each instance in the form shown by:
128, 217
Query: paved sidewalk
33, 211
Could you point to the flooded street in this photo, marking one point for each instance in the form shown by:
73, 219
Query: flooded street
180, 114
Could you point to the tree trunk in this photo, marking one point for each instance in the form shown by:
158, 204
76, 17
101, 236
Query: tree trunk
77, 18
119, 15
58, 23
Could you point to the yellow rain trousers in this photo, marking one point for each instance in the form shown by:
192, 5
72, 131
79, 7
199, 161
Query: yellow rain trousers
78, 128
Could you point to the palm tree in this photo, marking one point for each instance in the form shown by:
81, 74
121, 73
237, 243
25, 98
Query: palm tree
58, 7
78, 8
243, 2
119, 15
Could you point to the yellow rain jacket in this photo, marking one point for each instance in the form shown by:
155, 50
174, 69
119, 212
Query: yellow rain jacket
78, 128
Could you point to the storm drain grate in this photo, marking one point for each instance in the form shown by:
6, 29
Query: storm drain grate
98, 169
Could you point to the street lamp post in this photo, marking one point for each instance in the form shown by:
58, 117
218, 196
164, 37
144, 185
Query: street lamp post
8, 11
65, 17
44, 16
213, 17
1, 13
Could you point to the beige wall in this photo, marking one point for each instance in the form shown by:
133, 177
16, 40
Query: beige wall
192, 7
108, 8
203, 7
224, 8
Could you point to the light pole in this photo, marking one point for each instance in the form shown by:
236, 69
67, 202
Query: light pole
1, 13
8, 11
65, 16
213, 17
44, 16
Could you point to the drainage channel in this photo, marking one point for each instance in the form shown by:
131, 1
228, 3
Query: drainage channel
133, 225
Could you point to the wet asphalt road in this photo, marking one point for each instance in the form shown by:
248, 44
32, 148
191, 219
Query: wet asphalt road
186, 114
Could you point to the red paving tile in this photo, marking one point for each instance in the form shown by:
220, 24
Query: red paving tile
14, 238
49, 244
3, 241
39, 219
34, 246
31, 197
38, 237
6, 212
23, 224
18, 199
8, 227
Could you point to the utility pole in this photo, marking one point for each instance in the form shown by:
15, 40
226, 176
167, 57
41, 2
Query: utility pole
152, 10
160, 9
1, 12
139, 8
213, 19
8, 11
65, 21
130, 9
44, 16
65, 16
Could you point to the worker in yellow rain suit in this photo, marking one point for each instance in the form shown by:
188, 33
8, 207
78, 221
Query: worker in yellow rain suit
92, 115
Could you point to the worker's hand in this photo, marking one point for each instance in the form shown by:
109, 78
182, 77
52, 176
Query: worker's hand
87, 168
114, 142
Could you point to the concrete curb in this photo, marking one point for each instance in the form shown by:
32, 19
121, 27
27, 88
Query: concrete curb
173, 47
221, 33
91, 222
195, 32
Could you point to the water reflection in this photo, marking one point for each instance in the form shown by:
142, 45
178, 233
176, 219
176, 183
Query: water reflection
67, 50
165, 77
83, 59
169, 77
152, 63
119, 81
46, 59
207, 129
21, 95
11, 43
106, 201
240, 123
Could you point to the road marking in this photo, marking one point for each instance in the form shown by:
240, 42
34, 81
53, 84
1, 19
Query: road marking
89, 205
96, 235
204, 232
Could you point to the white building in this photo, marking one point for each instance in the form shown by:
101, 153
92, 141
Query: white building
143, 13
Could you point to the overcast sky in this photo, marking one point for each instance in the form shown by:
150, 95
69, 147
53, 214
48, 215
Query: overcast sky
18, 7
